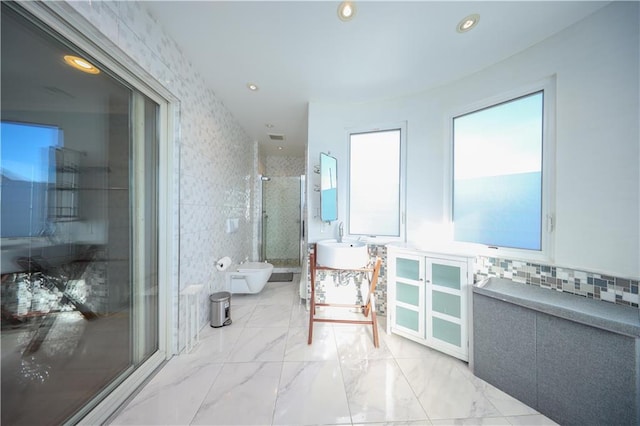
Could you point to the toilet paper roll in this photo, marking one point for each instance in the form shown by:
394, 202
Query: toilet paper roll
223, 263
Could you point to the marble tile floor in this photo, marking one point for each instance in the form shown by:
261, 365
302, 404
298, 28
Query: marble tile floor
260, 371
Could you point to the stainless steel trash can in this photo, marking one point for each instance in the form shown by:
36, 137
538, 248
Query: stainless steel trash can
220, 309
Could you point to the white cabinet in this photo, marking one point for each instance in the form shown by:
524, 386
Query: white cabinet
427, 298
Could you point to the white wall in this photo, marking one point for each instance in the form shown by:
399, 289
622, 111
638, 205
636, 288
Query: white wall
595, 63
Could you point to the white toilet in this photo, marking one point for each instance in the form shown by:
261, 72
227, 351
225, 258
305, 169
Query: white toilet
248, 277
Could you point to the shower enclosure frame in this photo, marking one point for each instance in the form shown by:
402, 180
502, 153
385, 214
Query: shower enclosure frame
264, 218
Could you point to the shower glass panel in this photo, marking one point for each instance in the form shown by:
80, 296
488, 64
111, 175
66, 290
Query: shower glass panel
79, 232
281, 201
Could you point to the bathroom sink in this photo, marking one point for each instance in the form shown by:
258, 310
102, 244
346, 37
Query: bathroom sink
342, 255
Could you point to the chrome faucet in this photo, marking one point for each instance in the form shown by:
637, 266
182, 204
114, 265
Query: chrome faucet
340, 231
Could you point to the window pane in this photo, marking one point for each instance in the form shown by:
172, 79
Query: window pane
25, 154
374, 183
497, 195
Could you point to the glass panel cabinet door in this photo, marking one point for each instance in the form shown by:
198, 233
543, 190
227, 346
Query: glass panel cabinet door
406, 293
446, 305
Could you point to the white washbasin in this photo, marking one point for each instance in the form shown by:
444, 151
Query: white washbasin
342, 255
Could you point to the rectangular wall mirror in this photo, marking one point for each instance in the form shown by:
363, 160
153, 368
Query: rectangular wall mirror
328, 188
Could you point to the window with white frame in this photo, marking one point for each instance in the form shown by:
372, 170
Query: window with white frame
376, 189
500, 188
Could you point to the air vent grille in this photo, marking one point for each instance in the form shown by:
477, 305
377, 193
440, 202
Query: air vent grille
275, 137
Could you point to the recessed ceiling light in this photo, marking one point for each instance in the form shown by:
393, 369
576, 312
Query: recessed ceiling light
346, 10
81, 64
269, 126
253, 87
280, 148
468, 22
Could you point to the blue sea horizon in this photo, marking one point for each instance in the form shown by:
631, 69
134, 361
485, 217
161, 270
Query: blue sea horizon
502, 211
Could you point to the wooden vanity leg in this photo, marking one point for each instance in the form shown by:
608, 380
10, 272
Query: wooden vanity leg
374, 322
312, 305
372, 288
309, 340
312, 309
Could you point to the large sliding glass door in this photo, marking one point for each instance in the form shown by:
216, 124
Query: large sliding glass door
79, 226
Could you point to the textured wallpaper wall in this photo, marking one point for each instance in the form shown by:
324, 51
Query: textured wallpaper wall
284, 166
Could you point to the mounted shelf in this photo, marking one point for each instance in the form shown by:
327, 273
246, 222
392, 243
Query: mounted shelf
63, 191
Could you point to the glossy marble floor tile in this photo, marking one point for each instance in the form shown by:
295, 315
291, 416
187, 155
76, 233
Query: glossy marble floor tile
311, 392
172, 397
446, 390
356, 342
259, 344
270, 316
252, 385
260, 371
324, 348
368, 382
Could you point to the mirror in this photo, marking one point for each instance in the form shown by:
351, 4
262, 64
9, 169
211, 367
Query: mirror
328, 188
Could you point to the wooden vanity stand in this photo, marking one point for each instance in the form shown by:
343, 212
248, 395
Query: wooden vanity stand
368, 307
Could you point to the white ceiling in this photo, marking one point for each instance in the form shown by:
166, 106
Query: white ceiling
299, 51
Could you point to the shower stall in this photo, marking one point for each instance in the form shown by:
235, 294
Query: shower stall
282, 222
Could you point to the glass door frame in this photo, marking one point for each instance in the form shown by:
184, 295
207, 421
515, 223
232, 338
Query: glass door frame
419, 284
461, 292
70, 24
264, 220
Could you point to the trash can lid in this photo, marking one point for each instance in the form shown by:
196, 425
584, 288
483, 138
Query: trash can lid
219, 297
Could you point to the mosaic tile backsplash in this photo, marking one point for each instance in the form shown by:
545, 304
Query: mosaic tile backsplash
622, 291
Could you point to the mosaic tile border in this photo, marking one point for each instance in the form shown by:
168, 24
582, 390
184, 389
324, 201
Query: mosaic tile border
621, 291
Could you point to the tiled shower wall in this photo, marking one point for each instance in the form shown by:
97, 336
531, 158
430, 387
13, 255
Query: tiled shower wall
214, 163
284, 166
281, 196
